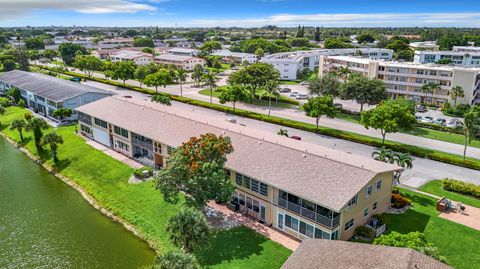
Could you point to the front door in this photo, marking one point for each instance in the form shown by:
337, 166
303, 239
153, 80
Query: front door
262, 212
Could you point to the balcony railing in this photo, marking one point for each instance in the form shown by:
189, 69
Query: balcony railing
309, 214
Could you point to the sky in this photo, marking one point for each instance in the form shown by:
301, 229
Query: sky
240, 13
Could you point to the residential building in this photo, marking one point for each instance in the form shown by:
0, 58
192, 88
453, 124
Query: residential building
236, 57
104, 54
304, 190
45, 94
424, 45
117, 42
138, 57
466, 48
290, 64
327, 254
406, 79
184, 62
188, 44
455, 57
183, 51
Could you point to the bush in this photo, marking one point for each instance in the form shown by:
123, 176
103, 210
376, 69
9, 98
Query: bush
4, 102
139, 171
461, 187
364, 231
455, 111
399, 201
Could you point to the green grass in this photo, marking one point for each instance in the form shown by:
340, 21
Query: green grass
435, 187
459, 244
289, 82
105, 179
257, 102
443, 136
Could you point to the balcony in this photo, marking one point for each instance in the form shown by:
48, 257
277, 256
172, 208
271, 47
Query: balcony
309, 214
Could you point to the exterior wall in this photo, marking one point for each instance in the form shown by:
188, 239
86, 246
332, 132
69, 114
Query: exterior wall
470, 82
356, 212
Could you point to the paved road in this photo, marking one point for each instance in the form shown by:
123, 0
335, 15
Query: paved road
295, 114
423, 170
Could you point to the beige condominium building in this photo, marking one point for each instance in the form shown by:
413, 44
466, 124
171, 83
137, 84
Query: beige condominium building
406, 79
302, 189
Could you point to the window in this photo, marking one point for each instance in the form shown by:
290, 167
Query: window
238, 179
306, 229
249, 202
121, 145
334, 235
263, 189
251, 184
120, 131
100, 122
353, 201
85, 129
280, 221
378, 185
291, 222
241, 198
82, 117
374, 207
365, 212
157, 147
256, 206
369, 190
349, 224
235, 197
254, 185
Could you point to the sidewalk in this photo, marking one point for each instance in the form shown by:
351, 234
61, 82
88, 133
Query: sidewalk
110, 152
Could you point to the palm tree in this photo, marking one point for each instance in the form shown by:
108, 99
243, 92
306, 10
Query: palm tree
176, 260
37, 125
456, 92
404, 160
384, 155
343, 72
181, 77
429, 88
52, 139
282, 132
210, 80
161, 98
188, 229
471, 127
19, 125
270, 90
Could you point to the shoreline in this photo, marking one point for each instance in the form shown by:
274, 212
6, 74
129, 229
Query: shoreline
84, 194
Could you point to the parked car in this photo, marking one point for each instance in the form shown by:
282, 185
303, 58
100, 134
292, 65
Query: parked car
285, 90
294, 94
301, 96
419, 118
338, 105
422, 109
427, 119
221, 74
454, 123
295, 137
234, 68
127, 96
232, 120
440, 121
75, 79
304, 83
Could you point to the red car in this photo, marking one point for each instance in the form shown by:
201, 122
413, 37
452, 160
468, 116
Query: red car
295, 137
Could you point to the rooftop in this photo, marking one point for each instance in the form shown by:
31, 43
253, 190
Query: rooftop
324, 176
130, 54
226, 53
52, 88
183, 50
320, 253
173, 57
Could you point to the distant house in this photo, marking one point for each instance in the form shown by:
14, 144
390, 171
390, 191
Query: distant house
183, 51
188, 44
327, 254
237, 57
138, 57
184, 62
45, 94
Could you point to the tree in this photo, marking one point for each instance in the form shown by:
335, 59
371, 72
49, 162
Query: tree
68, 51
14, 94
53, 140
316, 36
21, 56
336, 43
256, 75
398, 45
9, 65
234, 94
390, 117
210, 79
428, 88
210, 46
21, 103
326, 85
319, 106
140, 73
364, 90
197, 169
365, 38
405, 55
197, 73
143, 42
270, 89
36, 125
176, 260
123, 70
161, 78
161, 98
455, 92
343, 73
62, 113
188, 229
300, 31
19, 125
448, 40
471, 127
282, 132
2, 110
259, 52
385, 155
88, 64
49, 54
34, 43
181, 77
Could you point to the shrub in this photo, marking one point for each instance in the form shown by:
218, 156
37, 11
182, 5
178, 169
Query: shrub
399, 201
139, 171
455, 111
364, 231
4, 102
461, 187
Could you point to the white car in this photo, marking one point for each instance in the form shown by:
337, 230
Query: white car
294, 94
427, 119
301, 96
454, 123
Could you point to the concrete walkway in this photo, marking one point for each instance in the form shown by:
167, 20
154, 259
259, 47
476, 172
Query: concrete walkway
110, 152
250, 222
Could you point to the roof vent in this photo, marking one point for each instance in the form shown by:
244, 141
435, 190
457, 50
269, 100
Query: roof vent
259, 142
304, 155
194, 122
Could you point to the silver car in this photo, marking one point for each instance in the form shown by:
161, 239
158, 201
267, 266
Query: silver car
427, 119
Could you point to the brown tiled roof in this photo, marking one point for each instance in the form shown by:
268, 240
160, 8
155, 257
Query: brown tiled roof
325, 176
328, 254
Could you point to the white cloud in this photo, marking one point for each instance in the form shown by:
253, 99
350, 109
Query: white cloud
17, 8
339, 19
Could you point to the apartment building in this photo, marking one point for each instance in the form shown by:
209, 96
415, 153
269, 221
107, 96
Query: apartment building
138, 57
45, 94
289, 64
183, 51
184, 62
457, 57
237, 57
424, 45
304, 190
406, 79
117, 42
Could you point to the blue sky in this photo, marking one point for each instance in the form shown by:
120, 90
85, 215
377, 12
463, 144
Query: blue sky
242, 13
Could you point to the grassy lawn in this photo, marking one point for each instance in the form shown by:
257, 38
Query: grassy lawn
443, 136
289, 82
105, 179
257, 102
435, 187
458, 243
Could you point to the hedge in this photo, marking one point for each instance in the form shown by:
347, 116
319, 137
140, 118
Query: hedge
444, 157
461, 187
281, 99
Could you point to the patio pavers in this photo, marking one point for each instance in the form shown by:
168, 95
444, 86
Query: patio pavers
470, 217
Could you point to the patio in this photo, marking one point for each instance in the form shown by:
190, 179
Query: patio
110, 152
469, 217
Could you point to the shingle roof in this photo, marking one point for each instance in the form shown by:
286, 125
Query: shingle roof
130, 54
327, 254
325, 176
52, 88
173, 57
